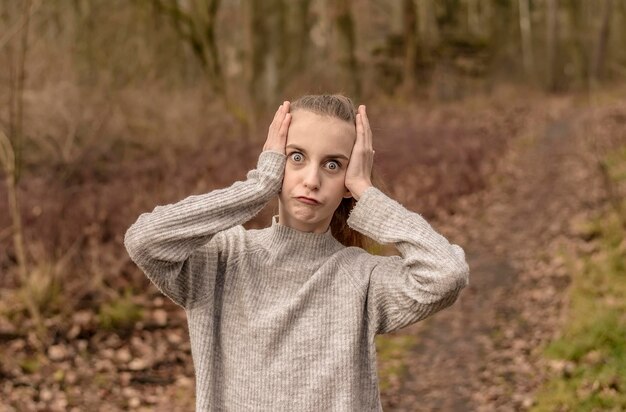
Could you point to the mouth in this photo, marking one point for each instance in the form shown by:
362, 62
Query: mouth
307, 200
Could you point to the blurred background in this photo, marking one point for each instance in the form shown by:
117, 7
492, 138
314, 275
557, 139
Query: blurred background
501, 122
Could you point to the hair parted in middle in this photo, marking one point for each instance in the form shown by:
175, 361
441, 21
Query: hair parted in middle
341, 107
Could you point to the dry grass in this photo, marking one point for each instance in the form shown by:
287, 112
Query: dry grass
113, 128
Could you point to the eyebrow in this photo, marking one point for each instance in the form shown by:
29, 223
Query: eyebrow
338, 155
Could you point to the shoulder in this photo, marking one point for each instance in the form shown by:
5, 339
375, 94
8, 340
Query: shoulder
240, 239
358, 263
230, 244
228, 240
353, 255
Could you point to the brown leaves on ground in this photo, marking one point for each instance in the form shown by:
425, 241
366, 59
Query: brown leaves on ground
507, 180
484, 353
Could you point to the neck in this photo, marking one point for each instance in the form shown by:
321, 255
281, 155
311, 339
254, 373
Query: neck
297, 244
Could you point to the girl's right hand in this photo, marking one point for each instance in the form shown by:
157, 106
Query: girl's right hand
277, 134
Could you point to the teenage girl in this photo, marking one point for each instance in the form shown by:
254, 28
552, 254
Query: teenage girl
284, 318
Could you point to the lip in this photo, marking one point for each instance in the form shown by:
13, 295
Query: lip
307, 200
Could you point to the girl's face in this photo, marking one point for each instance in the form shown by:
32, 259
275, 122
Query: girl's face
318, 150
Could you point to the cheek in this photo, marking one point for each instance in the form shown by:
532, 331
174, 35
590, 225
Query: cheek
288, 178
339, 184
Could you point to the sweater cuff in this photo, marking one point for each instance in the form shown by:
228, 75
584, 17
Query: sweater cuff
271, 162
375, 212
270, 169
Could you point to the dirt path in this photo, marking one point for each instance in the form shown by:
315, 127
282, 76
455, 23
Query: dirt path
481, 354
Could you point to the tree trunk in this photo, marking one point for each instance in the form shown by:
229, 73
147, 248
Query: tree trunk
298, 26
597, 67
551, 40
11, 154
410, 53
257, 48
268, 57
526, 34
196, 21
473, 18
427, 24
579, 25
346, 48
268, 53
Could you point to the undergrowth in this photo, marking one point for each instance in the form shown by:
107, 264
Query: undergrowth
392, 350
592, 347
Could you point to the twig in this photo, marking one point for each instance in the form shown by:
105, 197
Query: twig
20, 25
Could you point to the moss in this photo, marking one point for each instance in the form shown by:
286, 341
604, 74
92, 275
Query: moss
119, 314
391, 351
594, 337
30, 364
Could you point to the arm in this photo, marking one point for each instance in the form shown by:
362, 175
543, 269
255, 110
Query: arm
425, 279
176, 246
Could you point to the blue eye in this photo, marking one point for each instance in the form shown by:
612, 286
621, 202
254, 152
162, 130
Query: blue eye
337, 165
295, 153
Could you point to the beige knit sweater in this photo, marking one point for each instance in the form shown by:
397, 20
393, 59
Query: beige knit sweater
284, 320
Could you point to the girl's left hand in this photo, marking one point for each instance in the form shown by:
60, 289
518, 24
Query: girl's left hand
359, 172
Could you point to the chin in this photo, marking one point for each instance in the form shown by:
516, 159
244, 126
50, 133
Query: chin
304, 215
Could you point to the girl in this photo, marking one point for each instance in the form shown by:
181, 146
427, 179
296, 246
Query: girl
284, 318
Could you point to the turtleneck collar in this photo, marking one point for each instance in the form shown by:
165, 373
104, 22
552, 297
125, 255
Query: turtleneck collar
284, 238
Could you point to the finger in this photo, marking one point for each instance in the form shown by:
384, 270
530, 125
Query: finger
282, 111
284, 127
276, 116
359, 130
368, 130
363, 130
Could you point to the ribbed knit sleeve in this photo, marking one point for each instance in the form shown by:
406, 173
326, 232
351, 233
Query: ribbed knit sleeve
175, 245
426, 278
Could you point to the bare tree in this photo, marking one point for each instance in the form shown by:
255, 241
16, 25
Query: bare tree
11, 153
266, 49
473, 17
410, 47
577, 9
526, 34
196, 21
600, 50
346, 46
427, 24
298, 27
11, 146
551, 41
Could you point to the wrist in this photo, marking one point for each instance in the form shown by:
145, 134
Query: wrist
272, 149
357, 190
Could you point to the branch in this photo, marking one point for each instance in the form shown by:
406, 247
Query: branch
19, 25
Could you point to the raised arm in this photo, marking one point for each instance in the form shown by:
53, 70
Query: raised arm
176, 245
426, 278
431, 271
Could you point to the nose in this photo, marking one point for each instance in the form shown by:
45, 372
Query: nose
311, 178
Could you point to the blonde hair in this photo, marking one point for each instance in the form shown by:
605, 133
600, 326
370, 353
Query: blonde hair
341, 107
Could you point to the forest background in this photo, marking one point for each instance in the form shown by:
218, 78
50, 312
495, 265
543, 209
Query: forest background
112, 107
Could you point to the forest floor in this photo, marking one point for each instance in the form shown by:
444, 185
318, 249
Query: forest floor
484, 352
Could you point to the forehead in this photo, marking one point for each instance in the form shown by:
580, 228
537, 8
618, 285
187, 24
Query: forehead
323, 134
